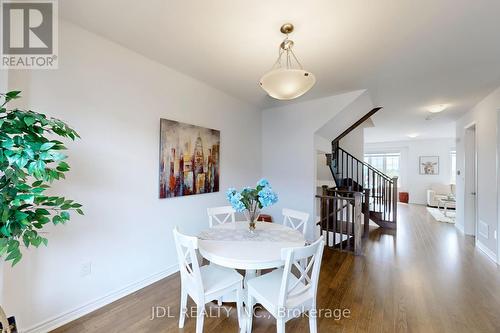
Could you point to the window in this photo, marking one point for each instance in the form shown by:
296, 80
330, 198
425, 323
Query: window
387, 163
453, 164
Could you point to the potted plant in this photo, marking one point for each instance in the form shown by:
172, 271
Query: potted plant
252, 200
30, 160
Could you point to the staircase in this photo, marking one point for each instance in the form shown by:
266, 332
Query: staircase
356, 181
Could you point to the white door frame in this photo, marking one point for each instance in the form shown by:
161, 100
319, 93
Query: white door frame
467, 190
498, 184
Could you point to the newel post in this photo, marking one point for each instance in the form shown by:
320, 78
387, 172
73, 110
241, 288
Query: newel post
395, 198
357, 223
366, 212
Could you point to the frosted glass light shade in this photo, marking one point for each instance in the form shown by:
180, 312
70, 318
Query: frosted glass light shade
286, 84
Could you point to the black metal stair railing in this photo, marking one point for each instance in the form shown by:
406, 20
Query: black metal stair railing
351, 174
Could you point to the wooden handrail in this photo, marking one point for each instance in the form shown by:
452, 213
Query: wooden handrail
356, 124
335, 197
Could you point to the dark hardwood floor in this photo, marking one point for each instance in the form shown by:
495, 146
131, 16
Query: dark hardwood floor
424, 277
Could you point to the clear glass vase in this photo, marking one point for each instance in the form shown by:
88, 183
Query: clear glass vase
252, 215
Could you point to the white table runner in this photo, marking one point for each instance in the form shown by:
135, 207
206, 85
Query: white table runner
264, 232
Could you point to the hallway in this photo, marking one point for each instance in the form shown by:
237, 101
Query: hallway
426, 278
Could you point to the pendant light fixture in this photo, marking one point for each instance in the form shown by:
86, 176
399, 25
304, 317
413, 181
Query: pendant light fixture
287, 79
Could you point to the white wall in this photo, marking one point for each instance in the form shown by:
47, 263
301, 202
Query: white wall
289, 145
484, 115
410, 178
115, 99
323, 171
4, 77
353, 143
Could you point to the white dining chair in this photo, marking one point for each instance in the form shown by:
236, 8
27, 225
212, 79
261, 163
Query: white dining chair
220, 215
286, 295
203, 284
295, 219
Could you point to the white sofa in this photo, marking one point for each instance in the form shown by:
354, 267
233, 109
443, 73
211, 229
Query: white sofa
440, 191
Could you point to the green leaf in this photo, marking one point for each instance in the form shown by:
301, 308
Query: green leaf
79, 211
47, 145
42, 211
5, 231
13, 255
63, 166
17, 259
26, 239
37, 183
20, 215
13, 94
29, 120
8, 143
56, 219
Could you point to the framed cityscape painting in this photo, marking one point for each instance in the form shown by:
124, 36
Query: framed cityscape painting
189, 159
429, 165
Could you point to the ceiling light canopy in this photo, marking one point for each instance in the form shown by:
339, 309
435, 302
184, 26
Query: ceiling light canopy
437, 108
287, 79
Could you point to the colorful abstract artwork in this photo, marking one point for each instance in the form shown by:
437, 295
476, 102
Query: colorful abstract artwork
189, 159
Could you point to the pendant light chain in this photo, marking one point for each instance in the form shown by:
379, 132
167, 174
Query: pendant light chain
286, 47
287, 80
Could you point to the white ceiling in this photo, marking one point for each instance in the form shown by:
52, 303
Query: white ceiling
408, 54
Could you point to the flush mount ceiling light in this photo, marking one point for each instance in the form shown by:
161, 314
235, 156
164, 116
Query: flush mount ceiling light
437, 108
413, 135
287, 79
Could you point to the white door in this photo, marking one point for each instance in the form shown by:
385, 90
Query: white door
470, 180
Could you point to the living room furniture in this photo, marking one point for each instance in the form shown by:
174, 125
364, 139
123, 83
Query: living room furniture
404, 197
446, 203
265, 218
203, 284
287, 295
440, 191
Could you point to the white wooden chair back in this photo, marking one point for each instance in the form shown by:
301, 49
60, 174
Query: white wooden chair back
189, 267
307, 261
295, 219
220, 215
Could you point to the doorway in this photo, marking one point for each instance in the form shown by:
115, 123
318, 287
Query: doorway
470, 212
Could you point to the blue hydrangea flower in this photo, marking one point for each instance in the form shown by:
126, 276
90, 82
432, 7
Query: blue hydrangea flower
263, 182
267, 197
236, 202
229, 193
261, 194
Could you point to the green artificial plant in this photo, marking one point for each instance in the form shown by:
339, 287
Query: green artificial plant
29, 163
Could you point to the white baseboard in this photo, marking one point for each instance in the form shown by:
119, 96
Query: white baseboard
76, 313
490, 254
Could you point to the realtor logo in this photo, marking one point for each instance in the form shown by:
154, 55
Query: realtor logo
29, 34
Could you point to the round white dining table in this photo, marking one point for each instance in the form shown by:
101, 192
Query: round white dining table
232, 245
